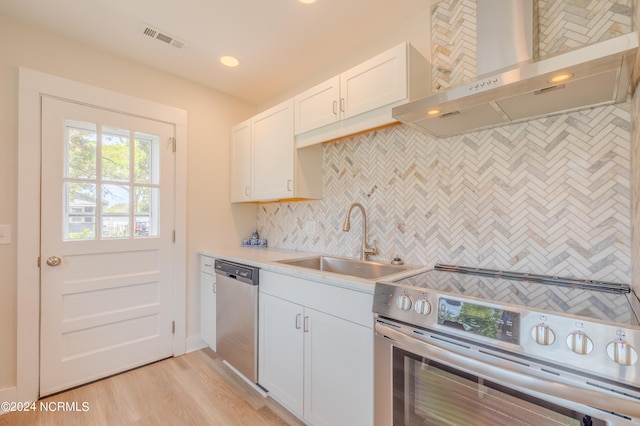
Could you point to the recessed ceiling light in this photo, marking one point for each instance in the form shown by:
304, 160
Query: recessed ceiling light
230, 61
307, 1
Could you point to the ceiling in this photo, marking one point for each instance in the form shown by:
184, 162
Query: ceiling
278, 42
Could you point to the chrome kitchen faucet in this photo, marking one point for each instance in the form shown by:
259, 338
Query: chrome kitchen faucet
366, 250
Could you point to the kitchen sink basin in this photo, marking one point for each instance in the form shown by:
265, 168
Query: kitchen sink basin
355, 268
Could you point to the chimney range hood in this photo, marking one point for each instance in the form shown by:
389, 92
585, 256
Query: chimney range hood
598, 74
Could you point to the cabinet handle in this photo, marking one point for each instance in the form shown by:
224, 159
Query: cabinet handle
214, 288
306, 324
246, 191
298, 316
289, 185
342, 104
335, 107
208, 265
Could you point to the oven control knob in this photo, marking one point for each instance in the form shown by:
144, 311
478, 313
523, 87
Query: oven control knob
622, 352
543, 335
580, 343
404, 302
422, 307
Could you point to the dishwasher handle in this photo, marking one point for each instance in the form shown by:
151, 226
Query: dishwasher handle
243, 273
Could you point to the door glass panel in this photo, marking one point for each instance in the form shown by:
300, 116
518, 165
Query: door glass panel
116, 154
102, 158
146, 158
115, 211
146, 205
80, 153
80, 211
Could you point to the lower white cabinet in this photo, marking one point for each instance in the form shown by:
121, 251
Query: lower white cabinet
208, 301
281, 351
312, 359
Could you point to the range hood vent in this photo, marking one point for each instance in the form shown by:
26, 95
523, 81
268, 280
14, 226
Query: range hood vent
598, 74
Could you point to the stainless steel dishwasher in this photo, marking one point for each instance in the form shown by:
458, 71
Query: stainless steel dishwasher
237, 316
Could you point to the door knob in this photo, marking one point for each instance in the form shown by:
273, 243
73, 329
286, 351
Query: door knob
54, 261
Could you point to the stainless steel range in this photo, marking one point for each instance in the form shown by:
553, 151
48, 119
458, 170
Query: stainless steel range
473, 346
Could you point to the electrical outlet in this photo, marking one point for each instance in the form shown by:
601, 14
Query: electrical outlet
5, 234
309, 227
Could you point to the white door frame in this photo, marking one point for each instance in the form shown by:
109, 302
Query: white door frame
32, 86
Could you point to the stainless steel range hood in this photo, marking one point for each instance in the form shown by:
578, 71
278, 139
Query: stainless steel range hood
599, 74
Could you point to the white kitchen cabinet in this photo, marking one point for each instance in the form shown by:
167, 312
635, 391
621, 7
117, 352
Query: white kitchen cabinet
241, 162
276, 169
272, 153
208, 301
316, 349
338, 371
281, 345
362, 97
318, 106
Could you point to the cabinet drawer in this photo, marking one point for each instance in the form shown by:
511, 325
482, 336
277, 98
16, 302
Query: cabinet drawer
207, 265
343, 303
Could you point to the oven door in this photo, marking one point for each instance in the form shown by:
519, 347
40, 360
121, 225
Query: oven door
418, 383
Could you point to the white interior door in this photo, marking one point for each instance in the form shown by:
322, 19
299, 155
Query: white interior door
107, 225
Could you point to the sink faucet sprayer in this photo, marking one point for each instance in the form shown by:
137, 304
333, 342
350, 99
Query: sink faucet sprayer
366, 250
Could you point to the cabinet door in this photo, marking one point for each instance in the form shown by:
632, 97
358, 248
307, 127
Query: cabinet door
377, 82
338, 371
208, 301
241, 162
317, 106
208, 309
273, 153
280, 368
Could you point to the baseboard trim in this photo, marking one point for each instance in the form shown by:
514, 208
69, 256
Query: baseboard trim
8, 395
195, 343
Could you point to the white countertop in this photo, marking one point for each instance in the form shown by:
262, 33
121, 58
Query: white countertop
267, 259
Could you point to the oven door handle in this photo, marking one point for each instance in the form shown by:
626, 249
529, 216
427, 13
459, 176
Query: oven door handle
511, 377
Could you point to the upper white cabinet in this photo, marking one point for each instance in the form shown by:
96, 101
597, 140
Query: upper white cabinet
272, 153
241, 162
362, 97
318, 106
265, 164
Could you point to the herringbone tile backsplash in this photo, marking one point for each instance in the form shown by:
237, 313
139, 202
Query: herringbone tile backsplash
548, 196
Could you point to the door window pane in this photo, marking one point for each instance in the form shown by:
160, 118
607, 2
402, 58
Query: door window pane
146, 206
80, 211
116, 154
146, 158
115, 211
80, 153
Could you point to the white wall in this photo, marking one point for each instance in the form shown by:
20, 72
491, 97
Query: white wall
212, 221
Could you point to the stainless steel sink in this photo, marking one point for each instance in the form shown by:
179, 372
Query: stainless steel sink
355, 268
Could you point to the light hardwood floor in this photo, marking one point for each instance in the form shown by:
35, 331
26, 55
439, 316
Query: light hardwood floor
193, 389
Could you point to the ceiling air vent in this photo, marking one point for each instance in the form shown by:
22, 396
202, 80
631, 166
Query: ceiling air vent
152, 32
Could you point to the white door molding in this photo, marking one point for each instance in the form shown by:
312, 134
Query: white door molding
32, 86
